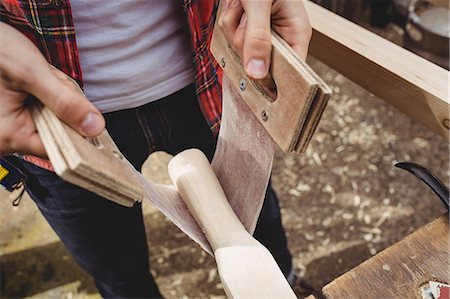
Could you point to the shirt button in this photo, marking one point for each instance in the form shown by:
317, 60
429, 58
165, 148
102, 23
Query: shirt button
57, 3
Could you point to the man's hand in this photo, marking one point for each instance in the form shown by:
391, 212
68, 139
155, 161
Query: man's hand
24, 71
247, 24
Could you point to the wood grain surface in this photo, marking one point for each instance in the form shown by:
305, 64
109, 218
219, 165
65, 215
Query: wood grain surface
301, 95
410, 83
246, 268
400, 270
96, 165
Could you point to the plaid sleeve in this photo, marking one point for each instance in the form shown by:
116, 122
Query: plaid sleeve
201, 15
49, 25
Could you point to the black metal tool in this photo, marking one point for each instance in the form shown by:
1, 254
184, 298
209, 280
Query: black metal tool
11, 178
428, 178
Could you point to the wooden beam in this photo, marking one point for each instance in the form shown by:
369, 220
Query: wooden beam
410, 83
400, 270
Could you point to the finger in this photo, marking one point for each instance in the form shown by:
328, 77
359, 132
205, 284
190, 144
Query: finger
222, 10
64, 97
298, 40
22, 137
33, 146
295, 28
239, 35
231, 17
26, 138
301, 44
258, 41
27, 71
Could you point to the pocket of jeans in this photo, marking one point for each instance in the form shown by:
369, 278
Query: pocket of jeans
55, 197
155, 126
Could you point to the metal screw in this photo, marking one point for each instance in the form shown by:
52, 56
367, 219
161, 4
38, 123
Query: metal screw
118, 154
446, 123
223, 62
243, 84
264, 115
94, 141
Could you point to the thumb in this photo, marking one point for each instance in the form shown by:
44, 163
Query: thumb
258, 38
62, 95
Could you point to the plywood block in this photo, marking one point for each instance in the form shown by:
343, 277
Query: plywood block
95, 164
301, 98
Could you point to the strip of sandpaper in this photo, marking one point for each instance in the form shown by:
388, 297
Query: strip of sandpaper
242, 163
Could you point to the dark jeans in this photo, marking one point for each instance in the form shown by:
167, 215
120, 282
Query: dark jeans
109, 240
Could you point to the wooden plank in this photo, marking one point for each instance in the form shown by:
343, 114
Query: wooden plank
400, 270
410, 83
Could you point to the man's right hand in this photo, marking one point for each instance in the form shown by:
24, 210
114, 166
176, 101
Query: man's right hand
24, 72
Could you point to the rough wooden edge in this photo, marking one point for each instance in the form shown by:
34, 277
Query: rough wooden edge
410, 83
60, 149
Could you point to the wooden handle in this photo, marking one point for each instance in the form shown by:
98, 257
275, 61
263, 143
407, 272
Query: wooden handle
292, 117
200, 189
246, 268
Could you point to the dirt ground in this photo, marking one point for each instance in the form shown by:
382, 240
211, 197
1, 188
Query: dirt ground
342, 202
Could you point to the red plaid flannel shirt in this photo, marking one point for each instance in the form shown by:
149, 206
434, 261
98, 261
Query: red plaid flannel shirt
48, 24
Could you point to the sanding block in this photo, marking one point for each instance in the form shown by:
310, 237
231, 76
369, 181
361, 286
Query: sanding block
95, 164
301, 94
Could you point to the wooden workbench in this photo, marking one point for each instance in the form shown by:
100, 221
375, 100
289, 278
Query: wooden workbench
399, 270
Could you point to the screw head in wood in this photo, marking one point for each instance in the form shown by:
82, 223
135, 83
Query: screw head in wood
446, 123
223, 63
243, 84
264, 115
95, 142
118, 154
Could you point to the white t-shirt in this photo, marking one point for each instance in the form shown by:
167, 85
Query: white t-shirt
132, 52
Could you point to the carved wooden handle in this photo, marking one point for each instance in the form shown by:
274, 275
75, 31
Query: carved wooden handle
246, 268
200, 189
